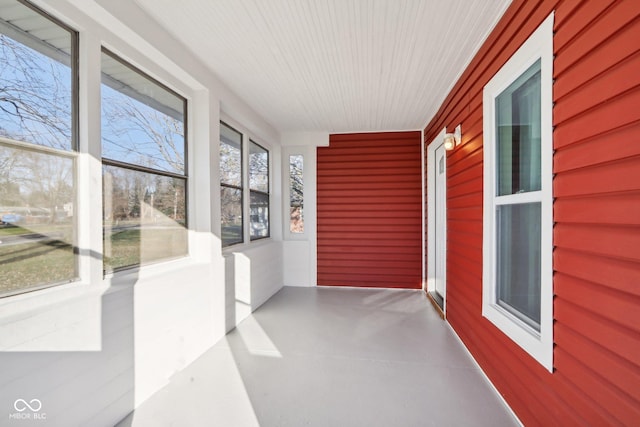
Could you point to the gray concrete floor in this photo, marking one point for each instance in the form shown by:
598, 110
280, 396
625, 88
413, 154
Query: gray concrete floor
332, 357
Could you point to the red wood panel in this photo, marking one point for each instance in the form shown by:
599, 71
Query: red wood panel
613, 273
592, 354
603, 148
603, 25
614, 176
612, 51
616, 339
605, 117
615, 82
596, 212
369, 210
617, 208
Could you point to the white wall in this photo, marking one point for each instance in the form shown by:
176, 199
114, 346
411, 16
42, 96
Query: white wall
93, 350
300, 249
252, 277
255, 269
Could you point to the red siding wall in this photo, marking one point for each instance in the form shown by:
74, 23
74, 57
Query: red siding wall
596, 210
369, 210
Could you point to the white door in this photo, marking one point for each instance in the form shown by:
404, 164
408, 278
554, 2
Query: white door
436, 239
440, 273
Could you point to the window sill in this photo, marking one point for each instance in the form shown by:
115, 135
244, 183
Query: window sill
18, 305
244, 247
131, 275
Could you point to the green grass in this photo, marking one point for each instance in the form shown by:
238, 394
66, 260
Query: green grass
131, 247
33, 264
12, 230
17, 230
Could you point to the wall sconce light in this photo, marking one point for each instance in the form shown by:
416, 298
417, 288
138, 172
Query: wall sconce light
452, 140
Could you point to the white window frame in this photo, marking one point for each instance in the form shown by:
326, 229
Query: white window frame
241, 187
260, 192
136, 167
539, 344
287, 154
21, 36
249, 137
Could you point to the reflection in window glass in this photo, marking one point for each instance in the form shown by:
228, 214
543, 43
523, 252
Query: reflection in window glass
296, 193
37, 80
231, 185
259, 191
518, 269
37, 162
142, 122
259, 213
230, 156
231, 215
144, 171
518, 139
519, 134
144, 218
258, 168
36, 219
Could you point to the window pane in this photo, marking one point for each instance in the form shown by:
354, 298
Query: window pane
36, 219
230, 156
258, 168
231, 216
259, 211
142, 122
37, 80
518, 255
296, 193
518, 130
144, 218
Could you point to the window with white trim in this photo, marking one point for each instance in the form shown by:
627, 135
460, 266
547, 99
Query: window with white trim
259, 191
144, 168
518, 200
296, 193
231, 192
244, 165
38, 150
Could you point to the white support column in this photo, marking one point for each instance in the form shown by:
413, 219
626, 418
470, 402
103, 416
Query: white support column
89, 182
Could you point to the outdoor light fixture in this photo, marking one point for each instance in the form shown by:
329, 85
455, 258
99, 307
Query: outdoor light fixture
452, 140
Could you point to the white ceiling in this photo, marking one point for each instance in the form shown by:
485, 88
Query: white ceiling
334, 65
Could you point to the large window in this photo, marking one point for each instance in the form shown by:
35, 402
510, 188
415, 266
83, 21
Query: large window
144, 168
231, 185
259, 191
38, 99
517, 278
233, 181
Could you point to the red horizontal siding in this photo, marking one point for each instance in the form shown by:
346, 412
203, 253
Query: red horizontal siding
369, 210
596, 93
606, 147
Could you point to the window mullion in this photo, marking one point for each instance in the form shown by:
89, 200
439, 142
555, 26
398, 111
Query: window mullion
519, 198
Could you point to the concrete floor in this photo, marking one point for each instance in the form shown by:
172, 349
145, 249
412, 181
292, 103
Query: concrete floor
332, 357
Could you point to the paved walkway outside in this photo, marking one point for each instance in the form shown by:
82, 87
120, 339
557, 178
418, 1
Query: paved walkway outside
331, 357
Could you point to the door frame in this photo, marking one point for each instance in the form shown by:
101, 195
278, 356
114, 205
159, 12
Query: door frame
431, 219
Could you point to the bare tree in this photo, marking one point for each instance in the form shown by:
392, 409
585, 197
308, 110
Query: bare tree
35, 96
36, 107
296, 193
137, 131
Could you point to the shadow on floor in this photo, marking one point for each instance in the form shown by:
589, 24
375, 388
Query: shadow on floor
332, 357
